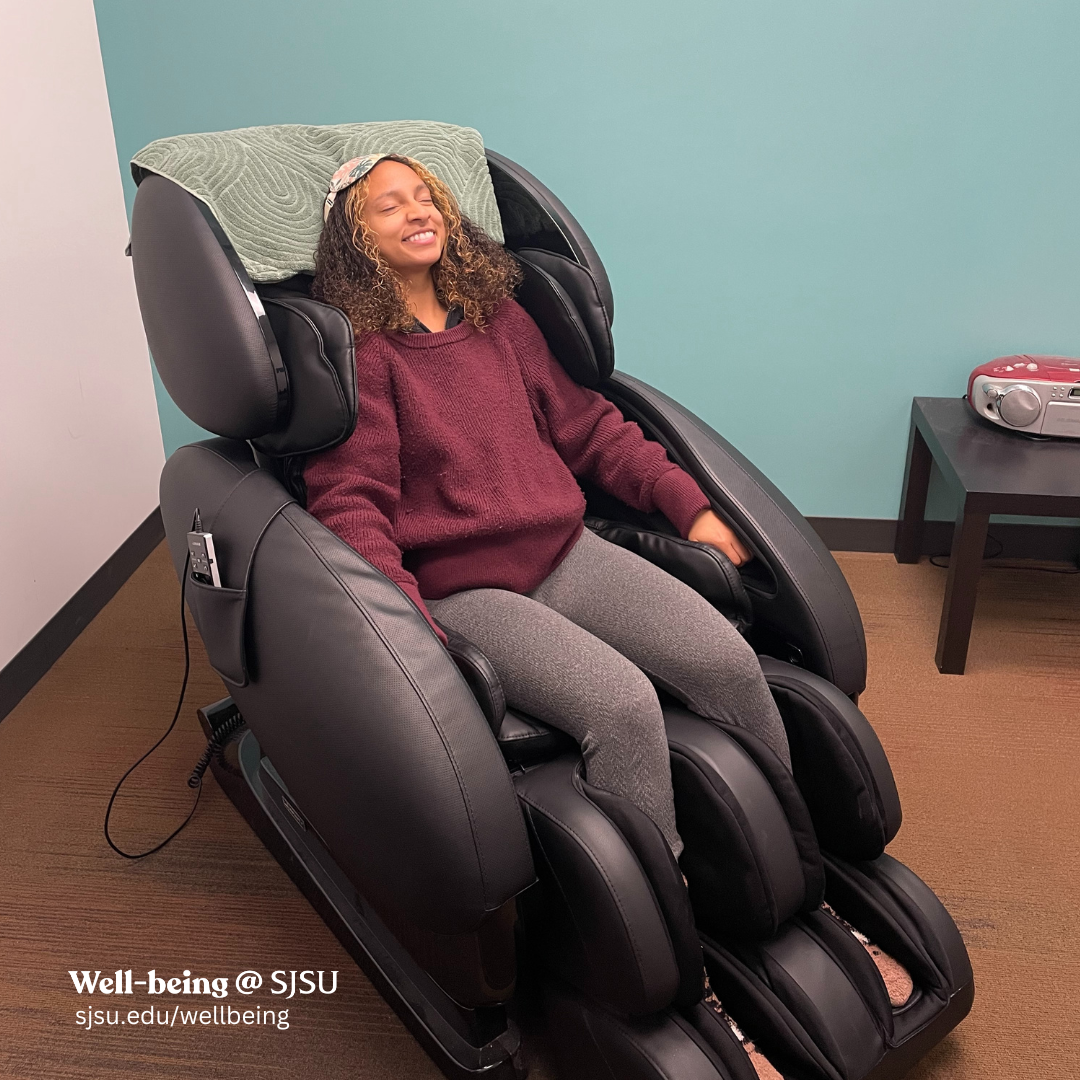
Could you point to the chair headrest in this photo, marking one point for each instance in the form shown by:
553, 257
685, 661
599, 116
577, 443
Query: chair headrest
262, 361
265, 185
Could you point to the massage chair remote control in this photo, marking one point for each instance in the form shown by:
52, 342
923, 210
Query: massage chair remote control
204, 567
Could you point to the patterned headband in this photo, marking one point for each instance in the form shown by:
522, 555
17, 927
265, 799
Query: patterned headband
347, 175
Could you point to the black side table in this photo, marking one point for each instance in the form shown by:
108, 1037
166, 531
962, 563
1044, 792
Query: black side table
995, 471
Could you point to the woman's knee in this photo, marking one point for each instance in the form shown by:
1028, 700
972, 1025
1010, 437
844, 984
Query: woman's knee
718, 674
727, 651
629, 703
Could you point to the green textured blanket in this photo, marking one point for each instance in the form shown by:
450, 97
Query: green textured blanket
266, 185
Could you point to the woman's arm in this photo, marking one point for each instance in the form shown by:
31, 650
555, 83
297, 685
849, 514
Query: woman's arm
355, 489
598, 444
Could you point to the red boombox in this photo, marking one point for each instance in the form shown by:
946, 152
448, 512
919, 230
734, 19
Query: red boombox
1038, 395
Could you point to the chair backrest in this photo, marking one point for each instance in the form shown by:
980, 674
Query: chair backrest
263, 362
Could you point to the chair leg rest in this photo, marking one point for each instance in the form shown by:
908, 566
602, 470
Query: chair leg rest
594, 1044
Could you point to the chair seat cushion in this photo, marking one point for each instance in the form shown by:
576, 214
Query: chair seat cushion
525, 741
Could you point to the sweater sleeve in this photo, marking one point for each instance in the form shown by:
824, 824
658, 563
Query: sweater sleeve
592, 437
355, 488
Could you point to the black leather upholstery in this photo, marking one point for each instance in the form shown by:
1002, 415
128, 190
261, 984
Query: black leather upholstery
317, 345
241, 521
207, 330
839, 763
563, 299
359, 708
594, 1044
751, 857
814, 1001
901, 913
477, 969
270, 364
480, 676
533, 217
706, 569
526, 741
664, 875
798, 1004
594, 915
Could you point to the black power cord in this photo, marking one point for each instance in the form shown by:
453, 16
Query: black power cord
214, 746
942, 561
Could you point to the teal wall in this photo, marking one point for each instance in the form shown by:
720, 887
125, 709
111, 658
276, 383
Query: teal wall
810, 212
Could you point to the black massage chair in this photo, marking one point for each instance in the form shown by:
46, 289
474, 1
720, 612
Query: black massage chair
448, 840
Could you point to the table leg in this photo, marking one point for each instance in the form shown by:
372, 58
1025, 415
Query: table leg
965, 564
909, 529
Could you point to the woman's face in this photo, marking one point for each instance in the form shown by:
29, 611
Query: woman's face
406, 224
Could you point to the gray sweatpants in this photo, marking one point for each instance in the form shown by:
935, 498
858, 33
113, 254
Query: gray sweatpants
577, 651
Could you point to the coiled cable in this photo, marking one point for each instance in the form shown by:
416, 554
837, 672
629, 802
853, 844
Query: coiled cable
214, 746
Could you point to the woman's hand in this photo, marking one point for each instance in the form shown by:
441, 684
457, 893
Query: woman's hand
707, 528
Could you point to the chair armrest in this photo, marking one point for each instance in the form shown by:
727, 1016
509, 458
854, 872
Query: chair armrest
479, 674
706, 569
803, 608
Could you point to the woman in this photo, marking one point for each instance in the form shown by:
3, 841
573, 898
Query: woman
459, 484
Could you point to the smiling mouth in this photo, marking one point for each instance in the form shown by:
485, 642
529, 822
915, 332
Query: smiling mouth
420, 237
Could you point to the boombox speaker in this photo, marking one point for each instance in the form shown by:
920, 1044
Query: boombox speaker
1038, 395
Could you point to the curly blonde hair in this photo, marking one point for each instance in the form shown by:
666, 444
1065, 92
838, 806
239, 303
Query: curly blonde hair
350, 272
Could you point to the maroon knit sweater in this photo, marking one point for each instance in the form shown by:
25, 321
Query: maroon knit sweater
466, 447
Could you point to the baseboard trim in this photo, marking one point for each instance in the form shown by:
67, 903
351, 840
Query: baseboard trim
1051, 543
22, 673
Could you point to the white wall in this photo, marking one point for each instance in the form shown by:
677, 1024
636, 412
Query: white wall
80, 443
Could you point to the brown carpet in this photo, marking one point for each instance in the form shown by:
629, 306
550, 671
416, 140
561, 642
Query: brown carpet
986, 766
